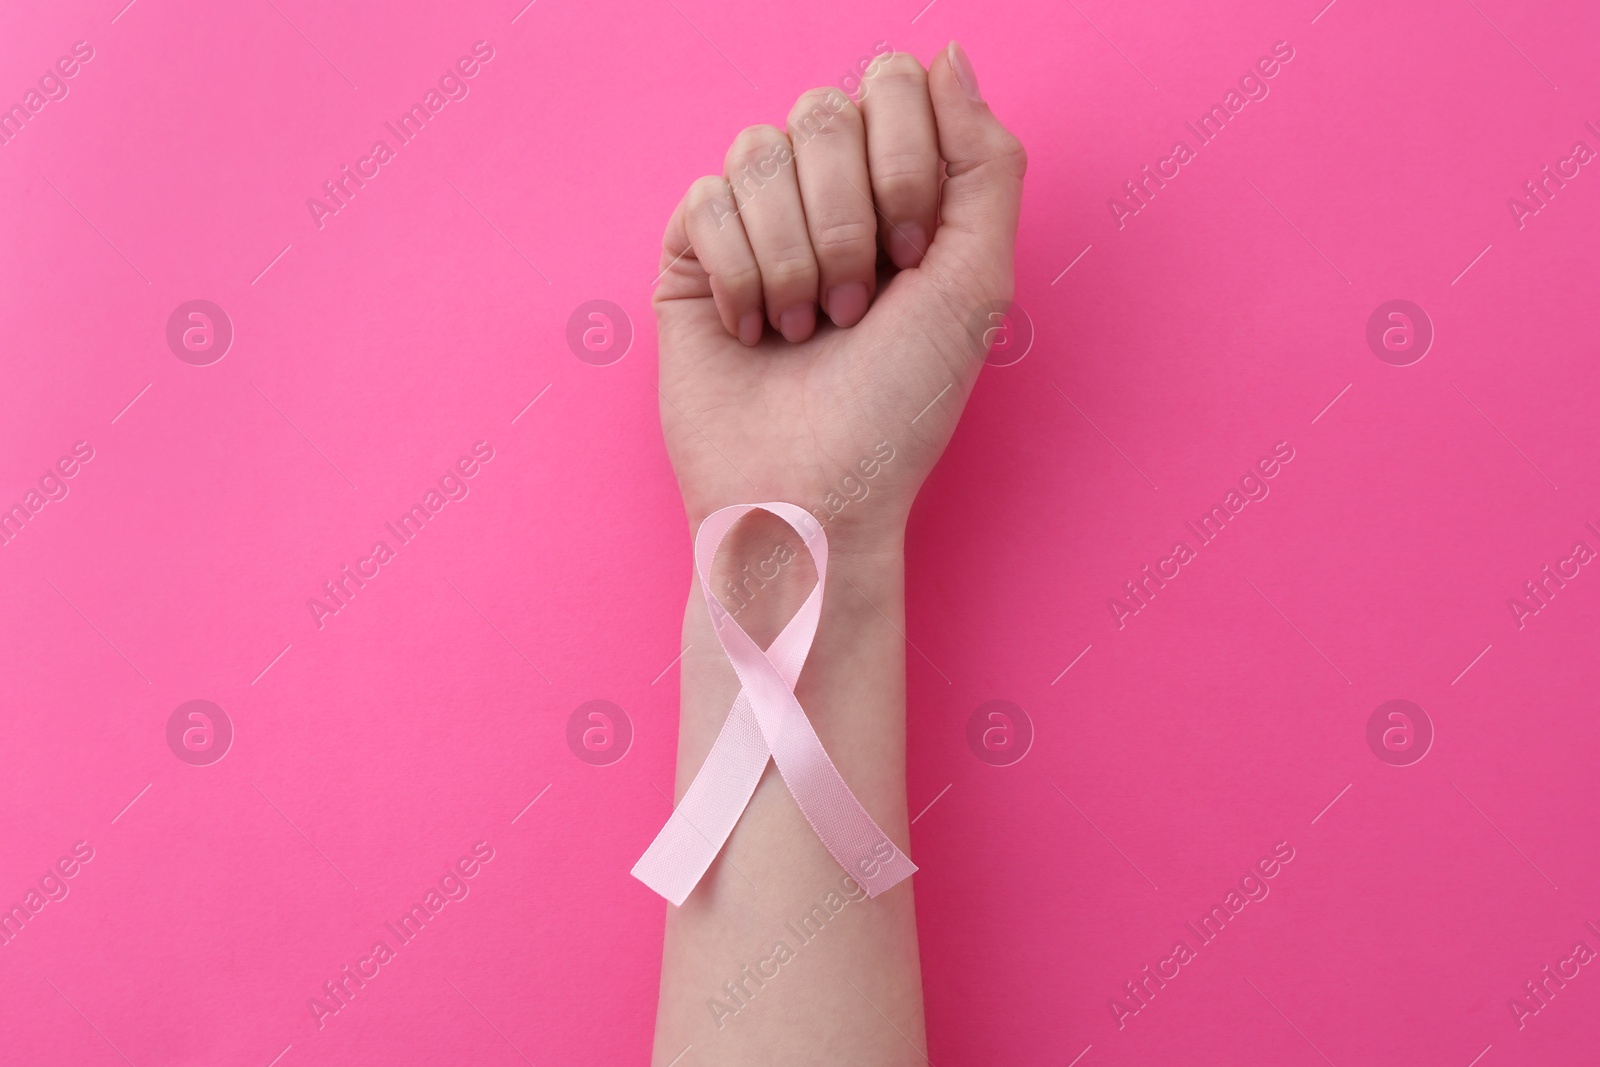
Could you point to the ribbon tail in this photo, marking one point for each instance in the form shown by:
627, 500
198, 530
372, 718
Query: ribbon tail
849, 834
690, 841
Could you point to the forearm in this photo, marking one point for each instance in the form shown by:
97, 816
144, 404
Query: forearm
777, 957
766, 962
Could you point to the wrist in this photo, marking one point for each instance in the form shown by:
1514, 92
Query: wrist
875, 534
764, 569
853, 684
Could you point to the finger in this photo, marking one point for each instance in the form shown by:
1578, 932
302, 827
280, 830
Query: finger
716, 236
760, 167
903, 155
984, 165
830, 145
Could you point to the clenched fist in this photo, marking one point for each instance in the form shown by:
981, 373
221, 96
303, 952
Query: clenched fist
829, 286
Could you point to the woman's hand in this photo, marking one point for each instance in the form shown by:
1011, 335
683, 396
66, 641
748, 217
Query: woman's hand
827, 295
799, 364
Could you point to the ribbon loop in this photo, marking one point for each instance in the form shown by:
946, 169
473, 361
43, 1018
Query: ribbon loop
766, 721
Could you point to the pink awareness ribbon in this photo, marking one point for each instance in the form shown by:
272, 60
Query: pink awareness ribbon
766, 721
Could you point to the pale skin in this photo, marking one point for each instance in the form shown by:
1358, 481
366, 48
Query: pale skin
827, 295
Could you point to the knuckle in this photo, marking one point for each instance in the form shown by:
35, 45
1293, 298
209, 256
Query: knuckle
790, 270
709, 199
899, 179
710, 187
901, 68
761, 148
822, 111
1009, 151
845, 239
740, 284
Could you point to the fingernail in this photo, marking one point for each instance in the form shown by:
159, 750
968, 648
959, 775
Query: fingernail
750, 327
847, 303
906, 244
796, 324
964, 72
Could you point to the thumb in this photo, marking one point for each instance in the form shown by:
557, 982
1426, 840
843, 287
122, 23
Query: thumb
982, 193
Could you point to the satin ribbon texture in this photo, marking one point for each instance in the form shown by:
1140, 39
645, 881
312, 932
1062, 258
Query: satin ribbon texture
766, 722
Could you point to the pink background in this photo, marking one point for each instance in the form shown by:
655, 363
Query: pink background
424, 717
